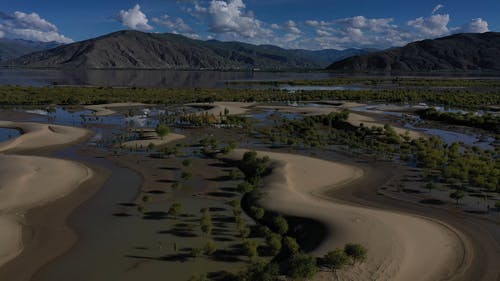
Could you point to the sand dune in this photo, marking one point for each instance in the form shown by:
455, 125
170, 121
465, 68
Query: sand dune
37, 135
216, 108
106, 109
401, 247
155, 140
30, 181
354, 119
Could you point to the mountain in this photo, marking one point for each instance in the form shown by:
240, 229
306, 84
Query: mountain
14, 48
133, 49
464, 52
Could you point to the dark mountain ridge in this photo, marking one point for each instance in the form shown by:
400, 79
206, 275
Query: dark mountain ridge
138, 50
466, 52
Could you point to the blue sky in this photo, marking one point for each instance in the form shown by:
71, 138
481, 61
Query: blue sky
288, 23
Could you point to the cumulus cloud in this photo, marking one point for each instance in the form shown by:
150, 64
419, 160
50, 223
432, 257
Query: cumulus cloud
30, 27
134, 19
474, 26
434, 25
231, 18
177, 25
291, 27
437, 8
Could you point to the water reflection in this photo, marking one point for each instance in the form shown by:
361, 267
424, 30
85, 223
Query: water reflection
144, 78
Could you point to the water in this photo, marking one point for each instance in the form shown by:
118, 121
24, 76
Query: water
7, 134
145, 78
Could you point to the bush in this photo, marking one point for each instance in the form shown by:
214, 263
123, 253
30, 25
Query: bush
357, 252
162, 130
259, 271
273, 241
302, 266
209, 248
257, 213
245, 187
280, 224
337, 259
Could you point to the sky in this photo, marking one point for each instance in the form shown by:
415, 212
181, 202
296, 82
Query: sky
304, 24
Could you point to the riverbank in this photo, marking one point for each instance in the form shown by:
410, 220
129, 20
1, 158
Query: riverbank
31, 180
399, 245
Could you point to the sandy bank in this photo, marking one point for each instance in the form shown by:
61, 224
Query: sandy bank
153, 139
216, 108
401, 247
354, 119
27, 182
37, 135
107, 109
30, 181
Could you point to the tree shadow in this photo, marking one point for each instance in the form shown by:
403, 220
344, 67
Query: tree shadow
156, 192
127, 204
229, 189
168, 168
166, 181
179, 232
181, 257
222, 194
155, 216
122, 215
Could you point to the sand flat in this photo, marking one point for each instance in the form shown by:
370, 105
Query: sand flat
216, 108
355, 119
30, 181
107, 109
37, 135
157, 141
401, 246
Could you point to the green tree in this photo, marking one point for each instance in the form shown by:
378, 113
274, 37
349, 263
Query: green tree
259, 271
302, 266
357, 252
250, 249
209, 248
175, 209
257, 213
280, 224
336, 259
162, 130
457, 195
245, 187
273, 242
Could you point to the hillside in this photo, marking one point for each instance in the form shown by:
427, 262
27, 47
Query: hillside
466, 52
138, 50
14, 48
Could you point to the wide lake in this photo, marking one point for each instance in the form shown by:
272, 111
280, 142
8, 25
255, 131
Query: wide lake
145, 78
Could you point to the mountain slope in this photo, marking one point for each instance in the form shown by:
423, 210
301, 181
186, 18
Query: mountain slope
134, 49
14, 48
459, 52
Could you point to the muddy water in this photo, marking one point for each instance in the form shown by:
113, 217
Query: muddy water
119, 242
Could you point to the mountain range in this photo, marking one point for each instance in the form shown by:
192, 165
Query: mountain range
466, 52
14, 48
138, 50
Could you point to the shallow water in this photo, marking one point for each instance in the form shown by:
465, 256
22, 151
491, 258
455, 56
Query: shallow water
7, 134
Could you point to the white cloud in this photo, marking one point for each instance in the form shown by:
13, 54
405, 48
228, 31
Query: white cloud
30, 27
292, 27
177, 25
437, 8
230, 18
435, 25
474, 26
134, 19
